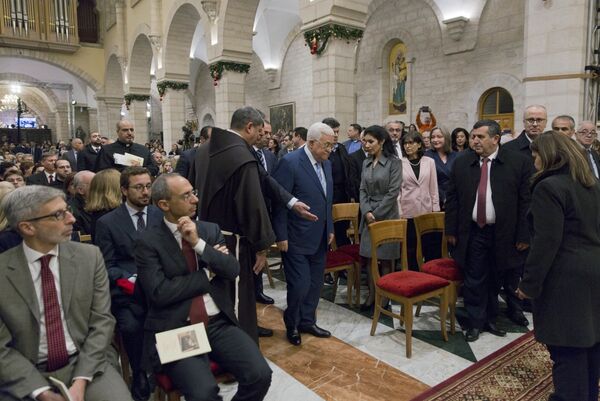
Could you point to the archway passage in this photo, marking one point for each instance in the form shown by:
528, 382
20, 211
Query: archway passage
497, 104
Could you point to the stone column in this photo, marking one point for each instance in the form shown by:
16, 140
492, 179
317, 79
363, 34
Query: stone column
173, 116
62, 123
229, 96
555, 57
93, 117
333, 83
137, 114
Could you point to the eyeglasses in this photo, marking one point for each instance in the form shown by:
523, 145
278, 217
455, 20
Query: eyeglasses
186, 196
58, 215
532, 121
326, 145
140, 187
587, 132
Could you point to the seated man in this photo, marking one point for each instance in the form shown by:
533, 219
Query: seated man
54, 306
116, 233
83, 219
174, 260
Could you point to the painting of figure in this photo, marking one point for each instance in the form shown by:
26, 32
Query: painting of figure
398, 78
283, 117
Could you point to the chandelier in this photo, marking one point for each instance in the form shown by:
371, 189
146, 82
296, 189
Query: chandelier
9, 102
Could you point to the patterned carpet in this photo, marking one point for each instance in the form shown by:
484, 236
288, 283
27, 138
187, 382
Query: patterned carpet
520, 371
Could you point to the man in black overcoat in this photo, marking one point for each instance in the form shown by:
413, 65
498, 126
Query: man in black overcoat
486, 225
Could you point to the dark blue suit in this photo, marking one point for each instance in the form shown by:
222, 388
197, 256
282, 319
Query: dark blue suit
116, 236
304, 262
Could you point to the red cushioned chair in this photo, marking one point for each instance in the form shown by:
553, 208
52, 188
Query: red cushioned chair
349, 212
405, 287
336, 262
166, 392
444, 267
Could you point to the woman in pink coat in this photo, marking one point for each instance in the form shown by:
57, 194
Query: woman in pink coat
419, 191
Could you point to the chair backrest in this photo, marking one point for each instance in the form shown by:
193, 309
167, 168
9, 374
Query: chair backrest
85, 238
383, 232
426, 224
347, 212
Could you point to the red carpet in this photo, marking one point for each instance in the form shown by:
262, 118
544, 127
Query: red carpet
520, 371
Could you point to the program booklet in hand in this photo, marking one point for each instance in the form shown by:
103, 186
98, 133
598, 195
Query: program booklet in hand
62, 388
181, 343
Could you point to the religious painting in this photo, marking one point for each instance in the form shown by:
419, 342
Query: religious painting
398, 78
283, 117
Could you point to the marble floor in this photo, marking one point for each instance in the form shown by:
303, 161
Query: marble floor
352, 365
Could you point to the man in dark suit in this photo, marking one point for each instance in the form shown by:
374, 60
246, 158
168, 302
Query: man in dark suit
534, 120
287, 146
48, 176
116, 233
72, 155
174, 260
124, 144
81, 184
62, 168
353, 144
486, 206
585, 136
565, 125
306, 173
36, 151
54, 306
86, 159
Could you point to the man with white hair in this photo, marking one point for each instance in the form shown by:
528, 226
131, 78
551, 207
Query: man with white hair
306, 174
83, 219
586, 135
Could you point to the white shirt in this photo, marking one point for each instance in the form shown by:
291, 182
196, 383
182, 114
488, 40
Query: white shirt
211, 308
490, 212
134, 218
48, 175
398, 147
313, 162
264, 159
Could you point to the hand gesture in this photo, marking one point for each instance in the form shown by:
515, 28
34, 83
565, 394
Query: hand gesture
302, 210
188, 231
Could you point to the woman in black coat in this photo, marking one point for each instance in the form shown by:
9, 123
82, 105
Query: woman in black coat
562, 272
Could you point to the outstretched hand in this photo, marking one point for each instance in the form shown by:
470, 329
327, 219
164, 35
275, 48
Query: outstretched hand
302, 210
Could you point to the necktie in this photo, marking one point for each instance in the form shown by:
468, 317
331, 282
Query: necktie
57, 347
482, 193
197, 309
261, 157
592, 163
141, 225
51, 178
321, 177
75, 156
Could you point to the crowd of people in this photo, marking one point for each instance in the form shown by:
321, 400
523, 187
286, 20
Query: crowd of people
182, 237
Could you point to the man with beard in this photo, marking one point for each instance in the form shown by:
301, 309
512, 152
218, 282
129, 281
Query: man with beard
116, 233
88, 155
125, 144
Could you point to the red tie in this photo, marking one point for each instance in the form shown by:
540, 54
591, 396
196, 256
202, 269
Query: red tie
482, 193
51, 178
57, 347
198, 309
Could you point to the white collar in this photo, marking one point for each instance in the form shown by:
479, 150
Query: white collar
172, 227
312, 159
32, 255
133, 212
492, 156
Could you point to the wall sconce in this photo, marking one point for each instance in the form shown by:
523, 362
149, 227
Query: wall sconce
456, 27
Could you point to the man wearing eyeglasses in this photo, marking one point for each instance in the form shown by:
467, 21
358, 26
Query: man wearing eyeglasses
535, 118
395, 129
116, 233
54, 306
586, 135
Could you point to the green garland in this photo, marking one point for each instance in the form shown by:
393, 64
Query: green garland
175, 85
131, 97
216, 69
317, 38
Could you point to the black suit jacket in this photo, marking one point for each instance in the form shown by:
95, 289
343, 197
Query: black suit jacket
355, 164
116, 236
521, 145
86, 160
169, 286
37, 154
509, 181
346, 191
70, 157
106, 157
38, 179
185, 161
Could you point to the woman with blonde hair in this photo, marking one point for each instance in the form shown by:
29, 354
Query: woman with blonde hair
562, 272
443, 156
104, 195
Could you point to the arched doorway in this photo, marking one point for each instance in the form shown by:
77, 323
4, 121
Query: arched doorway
497, 104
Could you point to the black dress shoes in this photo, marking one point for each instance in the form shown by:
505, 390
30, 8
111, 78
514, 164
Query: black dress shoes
518, 318
493, 329
140, 389
293, 336
315, 331
264, 299
472, 335
264, 332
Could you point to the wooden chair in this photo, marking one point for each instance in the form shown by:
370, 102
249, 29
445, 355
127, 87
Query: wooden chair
443, 267
405, 287
123, 358
349, 212
85, 238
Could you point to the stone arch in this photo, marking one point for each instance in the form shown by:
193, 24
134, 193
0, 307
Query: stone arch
140, 62
509, 82
204, 97
49, 58
49, 96
235, 32
182, 23
113, 82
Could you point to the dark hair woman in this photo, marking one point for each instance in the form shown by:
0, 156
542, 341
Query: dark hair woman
562, 274
379, 188
460, 139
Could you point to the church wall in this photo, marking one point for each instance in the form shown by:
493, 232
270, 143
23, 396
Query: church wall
443, 82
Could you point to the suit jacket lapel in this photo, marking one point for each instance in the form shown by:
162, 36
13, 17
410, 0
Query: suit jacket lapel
20, 277
123, 215
68, 268
172, 247
305, 161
